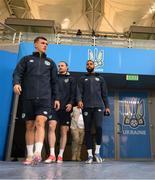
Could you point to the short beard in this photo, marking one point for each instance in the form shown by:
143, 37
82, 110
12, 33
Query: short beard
90, 70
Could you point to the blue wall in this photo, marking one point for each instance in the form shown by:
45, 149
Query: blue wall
7, 64
113, 60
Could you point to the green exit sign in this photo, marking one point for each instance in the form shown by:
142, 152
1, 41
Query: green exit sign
132, 77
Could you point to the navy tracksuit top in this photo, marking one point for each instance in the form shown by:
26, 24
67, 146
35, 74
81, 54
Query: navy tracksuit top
92, 90
67, 89
37, 75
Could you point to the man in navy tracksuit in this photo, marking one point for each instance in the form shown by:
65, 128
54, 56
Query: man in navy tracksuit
66, 87
92, 97
35, 79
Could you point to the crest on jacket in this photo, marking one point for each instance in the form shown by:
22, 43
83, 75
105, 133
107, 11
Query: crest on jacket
66, 80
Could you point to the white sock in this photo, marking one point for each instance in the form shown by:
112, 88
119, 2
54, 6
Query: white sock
52, 151
90, 152
97, 149
38, 147
29, 150
61, 152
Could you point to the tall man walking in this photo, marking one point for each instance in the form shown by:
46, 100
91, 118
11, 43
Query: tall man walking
35, 79
92, 97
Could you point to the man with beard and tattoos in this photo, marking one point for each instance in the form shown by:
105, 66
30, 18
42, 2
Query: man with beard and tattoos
92, 97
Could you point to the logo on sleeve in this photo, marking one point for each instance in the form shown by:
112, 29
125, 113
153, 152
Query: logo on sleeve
45, 112
50, 117
85, 113
23, 115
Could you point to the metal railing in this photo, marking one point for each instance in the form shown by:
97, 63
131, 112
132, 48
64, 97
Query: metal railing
7, 33
87, 40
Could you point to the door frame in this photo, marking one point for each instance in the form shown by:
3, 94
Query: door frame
117, 127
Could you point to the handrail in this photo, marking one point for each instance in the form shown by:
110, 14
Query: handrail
73, 39
6, 26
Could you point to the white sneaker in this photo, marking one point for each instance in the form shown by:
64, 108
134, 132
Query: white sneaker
98, 158
89, 160
59, 159
36, 159
50, 159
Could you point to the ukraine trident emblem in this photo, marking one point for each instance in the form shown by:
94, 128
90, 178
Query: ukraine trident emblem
134, 113
96, 56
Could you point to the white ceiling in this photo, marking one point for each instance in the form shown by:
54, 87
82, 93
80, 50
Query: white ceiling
118, 15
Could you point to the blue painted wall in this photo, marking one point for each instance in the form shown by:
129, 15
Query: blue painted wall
114, 60
108, 138
7, 64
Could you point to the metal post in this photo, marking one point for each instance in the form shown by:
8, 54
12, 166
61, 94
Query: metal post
129, 43
14, 38
11, 128
57, 38
20, 36
94, 40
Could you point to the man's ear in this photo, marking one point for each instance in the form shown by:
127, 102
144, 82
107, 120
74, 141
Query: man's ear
35, 45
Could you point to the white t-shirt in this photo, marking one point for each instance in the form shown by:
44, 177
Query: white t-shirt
77, 119
80, 122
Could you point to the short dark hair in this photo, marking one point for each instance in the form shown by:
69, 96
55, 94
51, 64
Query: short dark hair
39, 37
64, 63
90, 60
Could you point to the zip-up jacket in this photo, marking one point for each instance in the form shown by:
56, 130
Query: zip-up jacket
67, 87
92, 90
37, 75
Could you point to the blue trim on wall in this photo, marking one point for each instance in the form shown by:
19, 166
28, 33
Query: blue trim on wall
8, 62
115, 60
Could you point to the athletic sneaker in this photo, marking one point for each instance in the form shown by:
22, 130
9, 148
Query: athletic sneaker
50, 159
36, 159
27, 161
89, 160
98, 158
59, 159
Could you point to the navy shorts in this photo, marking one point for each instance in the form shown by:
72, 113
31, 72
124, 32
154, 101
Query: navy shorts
63, 117
32, 108
53, 115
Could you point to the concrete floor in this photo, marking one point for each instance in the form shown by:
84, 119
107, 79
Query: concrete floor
79, 170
